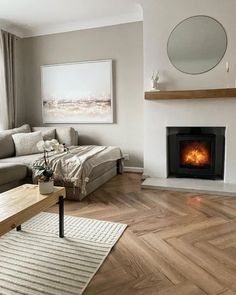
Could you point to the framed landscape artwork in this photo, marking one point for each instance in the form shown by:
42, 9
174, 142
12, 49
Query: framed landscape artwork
77, 93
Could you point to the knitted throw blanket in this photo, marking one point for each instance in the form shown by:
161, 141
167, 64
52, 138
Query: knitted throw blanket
76, 165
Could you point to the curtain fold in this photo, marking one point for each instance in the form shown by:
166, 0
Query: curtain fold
7, 81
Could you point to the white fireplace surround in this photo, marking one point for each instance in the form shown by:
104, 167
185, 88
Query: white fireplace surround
159, 21
192, 113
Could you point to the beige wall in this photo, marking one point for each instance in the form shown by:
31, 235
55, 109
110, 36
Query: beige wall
123, 44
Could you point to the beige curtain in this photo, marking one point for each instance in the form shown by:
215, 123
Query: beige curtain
7, 80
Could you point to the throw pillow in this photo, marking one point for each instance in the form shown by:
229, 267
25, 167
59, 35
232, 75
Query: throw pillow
48, 133
6, 141
23, 129
7, 146
26, 143
67, 135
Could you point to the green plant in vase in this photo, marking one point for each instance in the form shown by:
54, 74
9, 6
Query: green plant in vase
44, 173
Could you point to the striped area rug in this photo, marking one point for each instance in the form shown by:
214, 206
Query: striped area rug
35, 261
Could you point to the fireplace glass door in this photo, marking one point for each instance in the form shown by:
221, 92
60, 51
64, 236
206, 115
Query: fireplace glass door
195, 153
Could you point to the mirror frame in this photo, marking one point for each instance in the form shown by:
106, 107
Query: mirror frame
194, 16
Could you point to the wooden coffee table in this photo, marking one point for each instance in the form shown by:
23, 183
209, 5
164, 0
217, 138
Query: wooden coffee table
24, 202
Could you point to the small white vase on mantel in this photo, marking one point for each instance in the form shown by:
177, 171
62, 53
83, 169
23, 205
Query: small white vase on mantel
154, 81
46, 187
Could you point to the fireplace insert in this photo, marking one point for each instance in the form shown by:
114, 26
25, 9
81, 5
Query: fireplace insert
196, 152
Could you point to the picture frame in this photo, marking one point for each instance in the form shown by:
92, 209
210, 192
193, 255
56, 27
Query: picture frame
78, 93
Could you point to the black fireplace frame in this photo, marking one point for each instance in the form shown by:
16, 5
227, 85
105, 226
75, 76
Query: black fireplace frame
216, 140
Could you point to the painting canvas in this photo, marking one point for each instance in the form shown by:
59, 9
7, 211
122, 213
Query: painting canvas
78, 92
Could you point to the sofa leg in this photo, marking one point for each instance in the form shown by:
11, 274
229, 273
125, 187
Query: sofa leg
120, 166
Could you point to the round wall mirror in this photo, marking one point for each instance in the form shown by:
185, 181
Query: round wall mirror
197, 45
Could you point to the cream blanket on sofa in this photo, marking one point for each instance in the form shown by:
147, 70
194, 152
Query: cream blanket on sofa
76, 165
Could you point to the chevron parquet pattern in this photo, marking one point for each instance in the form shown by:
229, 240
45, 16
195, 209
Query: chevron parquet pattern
176, 243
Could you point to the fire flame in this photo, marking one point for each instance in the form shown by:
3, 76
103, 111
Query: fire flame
196, 154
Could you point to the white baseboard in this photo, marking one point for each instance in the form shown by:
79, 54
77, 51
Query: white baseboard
133, 169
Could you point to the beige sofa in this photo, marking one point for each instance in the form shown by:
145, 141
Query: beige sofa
16, 170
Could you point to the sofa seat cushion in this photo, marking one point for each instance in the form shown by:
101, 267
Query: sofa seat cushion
27, 161
11, 172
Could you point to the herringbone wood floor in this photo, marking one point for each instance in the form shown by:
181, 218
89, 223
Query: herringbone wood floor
176, 243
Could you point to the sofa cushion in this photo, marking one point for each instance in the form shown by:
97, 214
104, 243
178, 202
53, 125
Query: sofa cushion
67, 136
26, 143
7, 148
11, 172
23, 129
48, 133
27, 161
6, 141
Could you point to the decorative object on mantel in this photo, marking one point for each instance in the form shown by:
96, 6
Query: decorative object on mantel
154, 81
191, 94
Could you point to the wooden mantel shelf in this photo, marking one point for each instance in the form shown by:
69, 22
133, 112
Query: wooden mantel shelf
191, 94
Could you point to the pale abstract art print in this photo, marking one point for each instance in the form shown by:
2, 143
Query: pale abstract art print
78, 92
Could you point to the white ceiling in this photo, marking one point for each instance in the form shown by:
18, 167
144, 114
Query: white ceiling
38, 17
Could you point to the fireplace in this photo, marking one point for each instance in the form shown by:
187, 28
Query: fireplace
196, 152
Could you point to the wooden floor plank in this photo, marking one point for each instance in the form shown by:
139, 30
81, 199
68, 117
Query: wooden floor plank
221, 272
225, 241
176, 243
185, 288
222, 256
190, 270
192, 227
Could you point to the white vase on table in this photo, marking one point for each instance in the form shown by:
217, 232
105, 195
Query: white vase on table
46, 187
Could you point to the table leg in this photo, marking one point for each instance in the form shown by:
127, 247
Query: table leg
18, 228
61, 217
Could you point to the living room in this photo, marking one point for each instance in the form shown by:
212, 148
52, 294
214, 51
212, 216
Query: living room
117, 147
